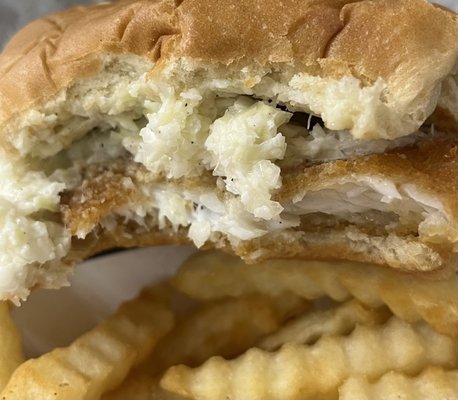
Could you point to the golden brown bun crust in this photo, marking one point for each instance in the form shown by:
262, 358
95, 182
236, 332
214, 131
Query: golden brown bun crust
325, 37
53, 52
338, 33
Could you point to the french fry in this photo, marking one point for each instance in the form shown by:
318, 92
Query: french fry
141, 386
11, 354
306, 372
212, 275
431, 384
228, 328
99, 360
157, 393
338, 321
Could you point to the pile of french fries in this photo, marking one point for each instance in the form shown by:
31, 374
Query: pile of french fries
282, 330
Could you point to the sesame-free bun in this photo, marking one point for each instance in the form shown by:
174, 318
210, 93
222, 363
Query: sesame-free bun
407, 47
267, 128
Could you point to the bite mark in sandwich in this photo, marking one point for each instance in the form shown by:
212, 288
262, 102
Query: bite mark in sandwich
311, 129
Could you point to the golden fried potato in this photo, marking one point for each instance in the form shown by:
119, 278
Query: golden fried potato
337, 321
306, 372
212, 275
97, 361
226, 328
10, 345
156, 393
141, 386
432, 384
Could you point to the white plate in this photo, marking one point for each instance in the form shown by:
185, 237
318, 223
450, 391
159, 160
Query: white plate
53, 318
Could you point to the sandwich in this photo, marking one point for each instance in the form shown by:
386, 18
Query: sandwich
312, 129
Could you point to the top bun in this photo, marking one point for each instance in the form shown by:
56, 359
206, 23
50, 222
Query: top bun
376, 68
